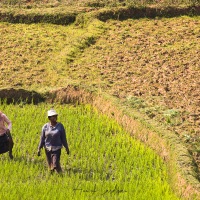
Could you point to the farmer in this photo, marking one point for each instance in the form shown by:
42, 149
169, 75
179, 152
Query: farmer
53, 137
6, 141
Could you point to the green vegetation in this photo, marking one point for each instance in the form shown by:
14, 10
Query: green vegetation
105, 162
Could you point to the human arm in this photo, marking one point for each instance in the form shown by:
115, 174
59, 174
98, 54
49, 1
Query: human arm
42, 140
64, 139
8, 122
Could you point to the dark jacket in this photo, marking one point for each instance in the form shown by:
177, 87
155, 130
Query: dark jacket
54, 137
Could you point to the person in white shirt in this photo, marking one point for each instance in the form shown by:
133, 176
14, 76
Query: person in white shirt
6, 141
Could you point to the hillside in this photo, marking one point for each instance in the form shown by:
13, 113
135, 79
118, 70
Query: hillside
151, 65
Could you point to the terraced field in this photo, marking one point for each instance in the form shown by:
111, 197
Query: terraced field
104, 163
150, 65
38, 54
153, 65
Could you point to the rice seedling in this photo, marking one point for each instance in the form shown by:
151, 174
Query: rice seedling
105, 161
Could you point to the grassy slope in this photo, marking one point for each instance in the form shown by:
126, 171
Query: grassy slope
151, 65
32, 51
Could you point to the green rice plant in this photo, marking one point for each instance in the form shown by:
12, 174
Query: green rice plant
105, 161
171, 116
136, 102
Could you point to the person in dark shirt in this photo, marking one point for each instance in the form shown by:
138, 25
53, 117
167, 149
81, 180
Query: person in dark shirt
53, 138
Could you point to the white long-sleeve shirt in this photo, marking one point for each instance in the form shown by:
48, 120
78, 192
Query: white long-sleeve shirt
5, 123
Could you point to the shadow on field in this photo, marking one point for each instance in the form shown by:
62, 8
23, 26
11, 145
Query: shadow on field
20, 95
121, 13
89, 174
28, 160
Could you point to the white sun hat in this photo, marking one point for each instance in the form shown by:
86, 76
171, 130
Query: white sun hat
51, 113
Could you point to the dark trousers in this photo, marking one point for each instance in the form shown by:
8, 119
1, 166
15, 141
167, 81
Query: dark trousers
11, 143
6, 143
53, 160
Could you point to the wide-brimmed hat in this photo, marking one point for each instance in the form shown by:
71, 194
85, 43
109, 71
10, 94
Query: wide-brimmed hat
51, 113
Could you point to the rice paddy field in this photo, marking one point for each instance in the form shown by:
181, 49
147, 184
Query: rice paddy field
105, 162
